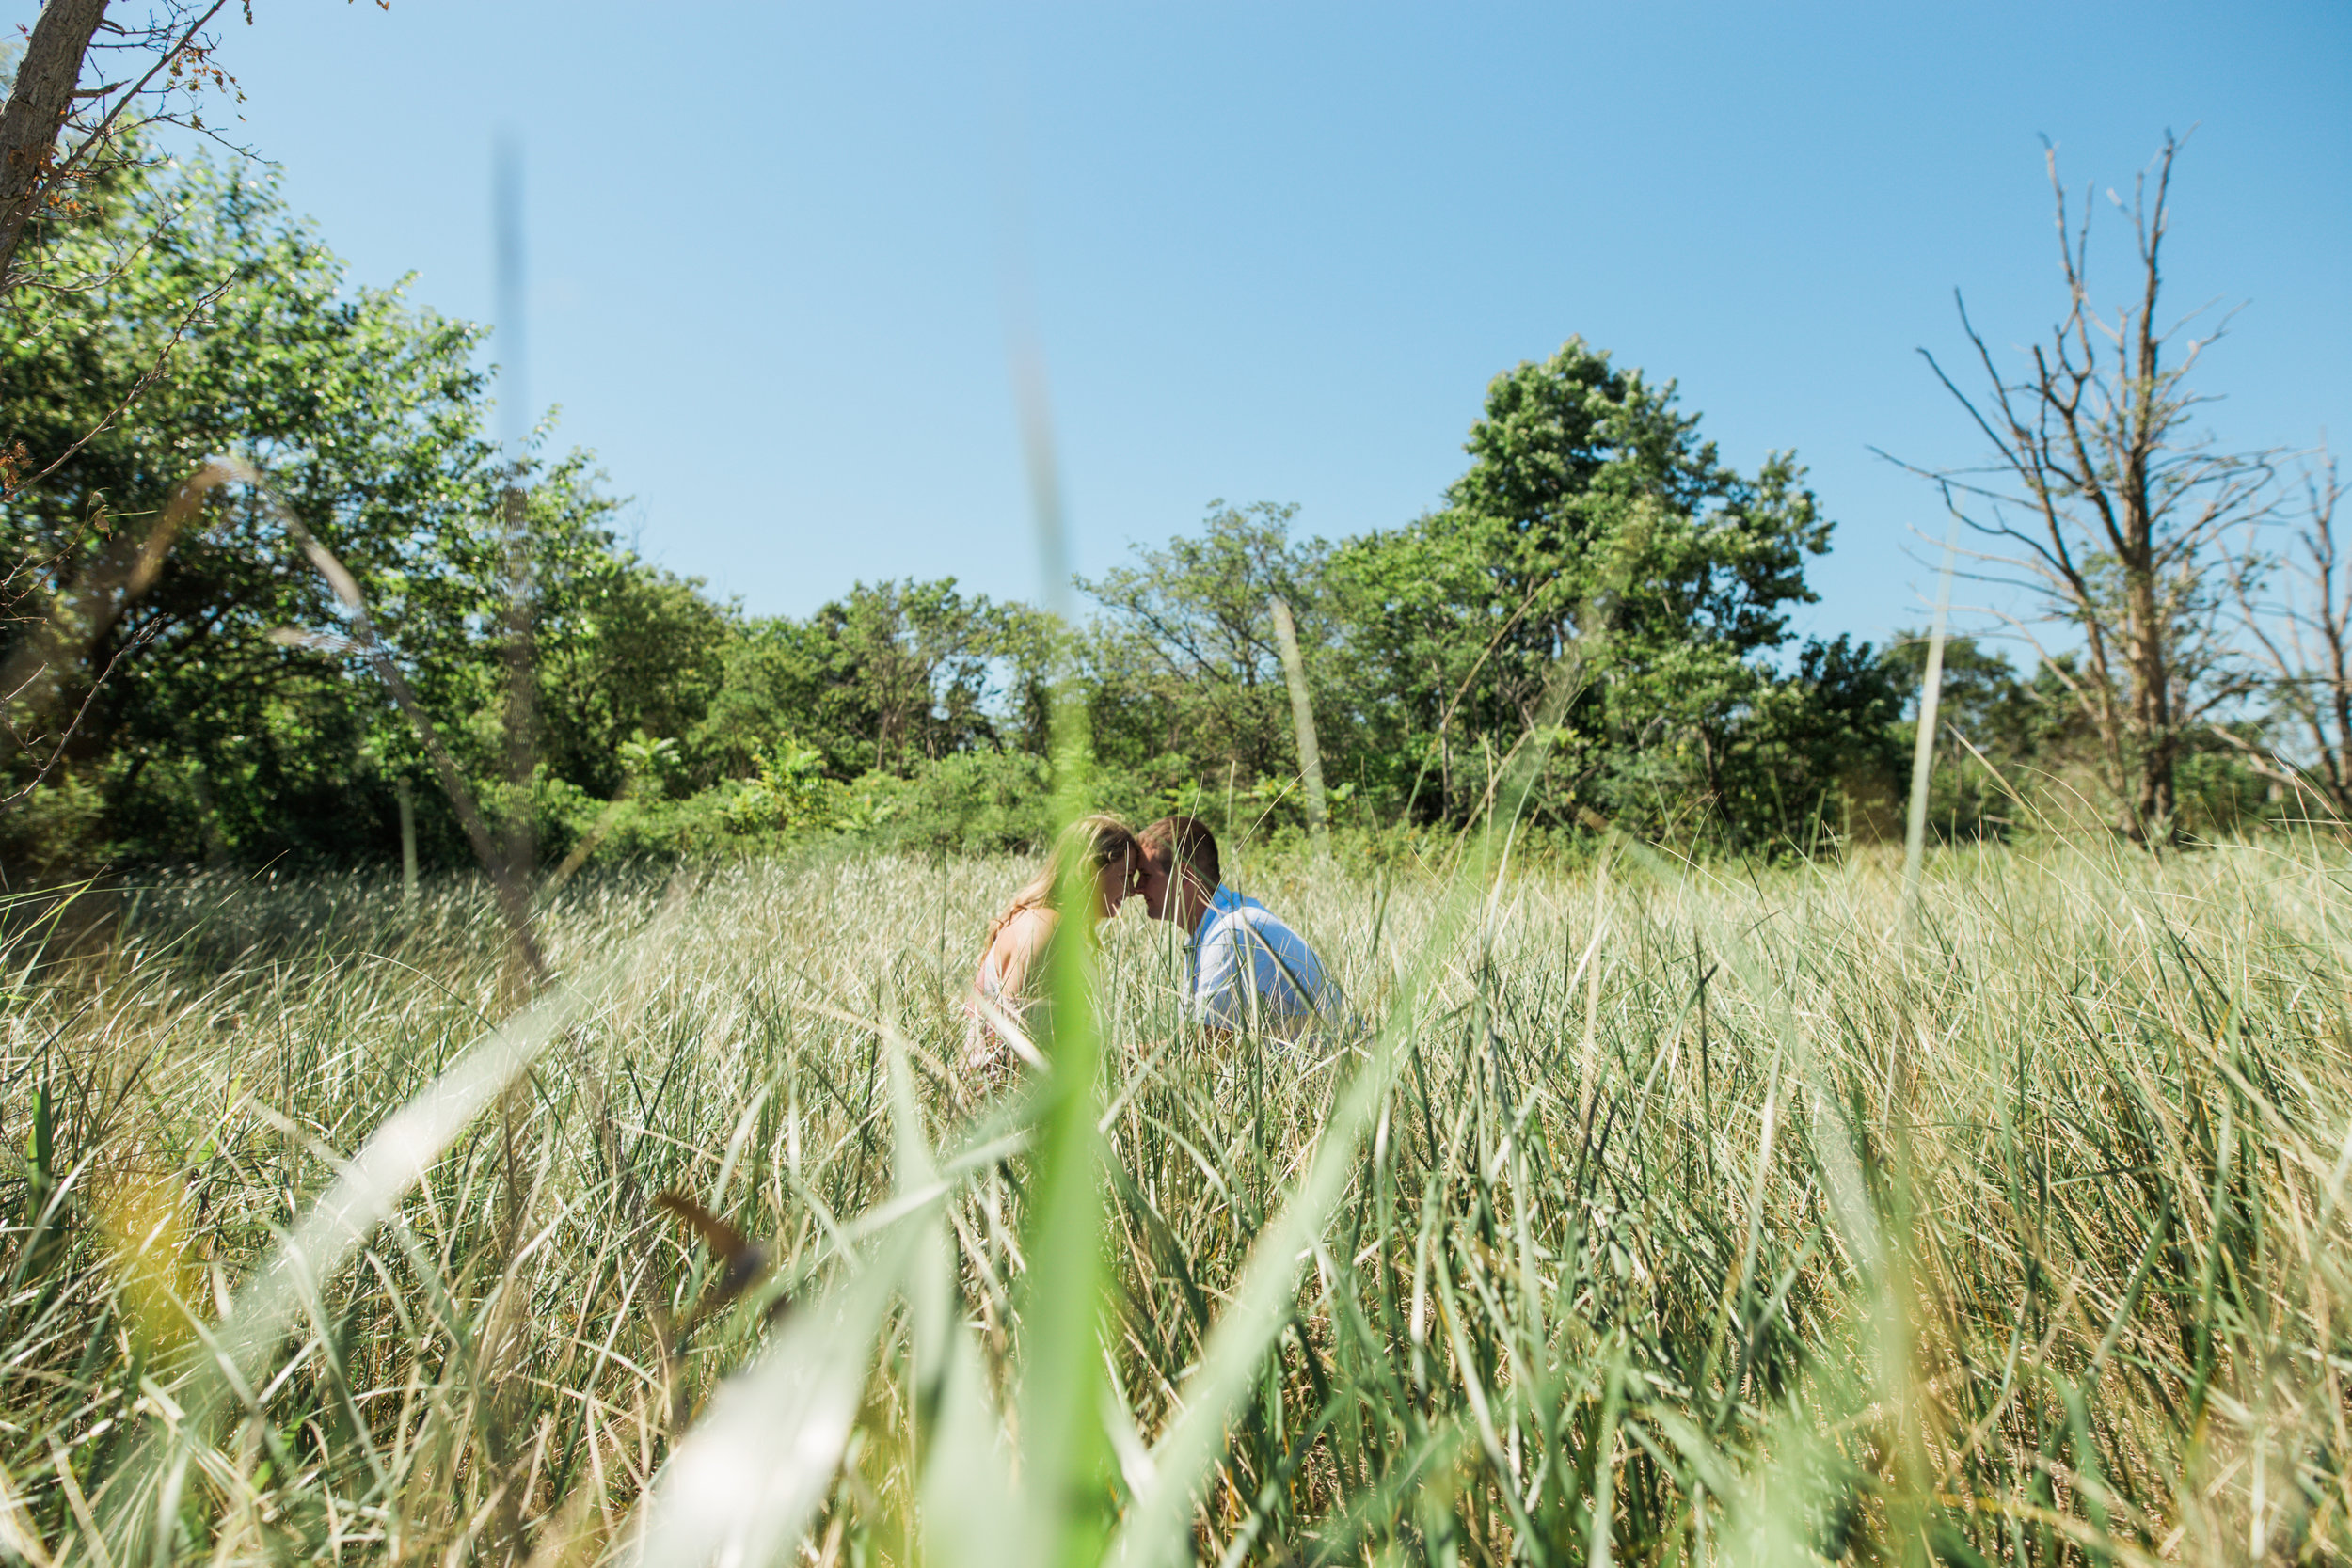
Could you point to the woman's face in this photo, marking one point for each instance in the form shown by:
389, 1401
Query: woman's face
1112, 884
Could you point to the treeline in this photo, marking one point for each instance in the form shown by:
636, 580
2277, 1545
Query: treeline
206, 697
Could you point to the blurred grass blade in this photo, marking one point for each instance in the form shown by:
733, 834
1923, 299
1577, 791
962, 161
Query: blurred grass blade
969, 1513
972, 1514
1302, 724
1923, 747
742, 1485
20, 1536
395, 1156
1064, 1452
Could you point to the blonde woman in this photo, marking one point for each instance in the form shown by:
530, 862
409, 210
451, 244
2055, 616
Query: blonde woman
1101, 856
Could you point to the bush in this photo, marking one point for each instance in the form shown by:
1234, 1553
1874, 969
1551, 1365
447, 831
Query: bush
56, 830
979, 803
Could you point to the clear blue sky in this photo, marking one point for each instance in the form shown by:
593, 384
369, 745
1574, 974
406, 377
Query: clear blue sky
1275, 251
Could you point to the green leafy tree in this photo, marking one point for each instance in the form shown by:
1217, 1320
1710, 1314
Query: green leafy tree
209, 729
1595, 525
627, 651
222, 707
1184, 675
916, 655
888, 678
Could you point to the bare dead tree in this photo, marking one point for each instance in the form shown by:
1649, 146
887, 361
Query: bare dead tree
2304, 639
2105, 502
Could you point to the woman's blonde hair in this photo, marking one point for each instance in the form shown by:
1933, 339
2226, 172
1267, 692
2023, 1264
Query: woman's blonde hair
1082, 850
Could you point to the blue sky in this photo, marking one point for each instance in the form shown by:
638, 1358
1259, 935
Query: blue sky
1275, 251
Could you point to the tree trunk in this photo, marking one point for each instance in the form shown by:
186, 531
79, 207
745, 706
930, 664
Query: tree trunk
36, 111
2152, 710
2156, 800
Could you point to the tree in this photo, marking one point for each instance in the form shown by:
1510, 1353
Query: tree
2304, 638
2108, 507
62, 196
2008, 723
165, 63
917, 658
1184, 664
1595, 524
39, 100
889, 677
629, 653
1981, 696
236, 716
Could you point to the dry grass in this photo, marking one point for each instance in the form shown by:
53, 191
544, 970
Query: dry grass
1686, 1216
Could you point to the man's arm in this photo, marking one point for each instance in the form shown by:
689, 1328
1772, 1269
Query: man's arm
1217, 1001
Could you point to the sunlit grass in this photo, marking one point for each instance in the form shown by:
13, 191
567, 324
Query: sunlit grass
1778, 1237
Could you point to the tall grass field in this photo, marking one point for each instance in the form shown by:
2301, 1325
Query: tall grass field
1656, 1213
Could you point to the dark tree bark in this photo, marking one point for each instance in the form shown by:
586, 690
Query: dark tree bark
36, 111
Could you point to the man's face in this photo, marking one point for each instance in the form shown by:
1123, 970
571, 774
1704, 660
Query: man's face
1158, 885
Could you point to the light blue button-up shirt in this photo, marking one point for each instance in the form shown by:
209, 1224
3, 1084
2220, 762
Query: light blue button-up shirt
1250, 972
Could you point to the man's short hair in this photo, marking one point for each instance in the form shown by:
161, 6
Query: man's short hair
1184, 842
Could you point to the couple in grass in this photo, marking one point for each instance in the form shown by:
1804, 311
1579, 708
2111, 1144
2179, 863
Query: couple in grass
1245, 971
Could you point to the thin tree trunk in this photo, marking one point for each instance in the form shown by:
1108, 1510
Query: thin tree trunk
406, 794
36, 111
2158, 749
2152, 707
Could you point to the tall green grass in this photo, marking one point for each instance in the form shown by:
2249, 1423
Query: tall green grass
1666, 1214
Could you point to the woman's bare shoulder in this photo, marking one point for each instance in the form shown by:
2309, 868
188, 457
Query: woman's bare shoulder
1029, 929
1021, 935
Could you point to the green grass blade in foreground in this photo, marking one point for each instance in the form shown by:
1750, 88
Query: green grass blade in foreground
1065, 1454
1063, 1300
971, 1513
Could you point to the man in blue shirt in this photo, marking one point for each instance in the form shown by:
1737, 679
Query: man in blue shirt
1246, 970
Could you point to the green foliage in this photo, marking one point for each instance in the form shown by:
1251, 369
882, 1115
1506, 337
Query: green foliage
1182, 673
976, 802
355, 403
2014, 751
791, 780
236, 718
1594, 530
892, 676
624, 651
649, 765
2003, 725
